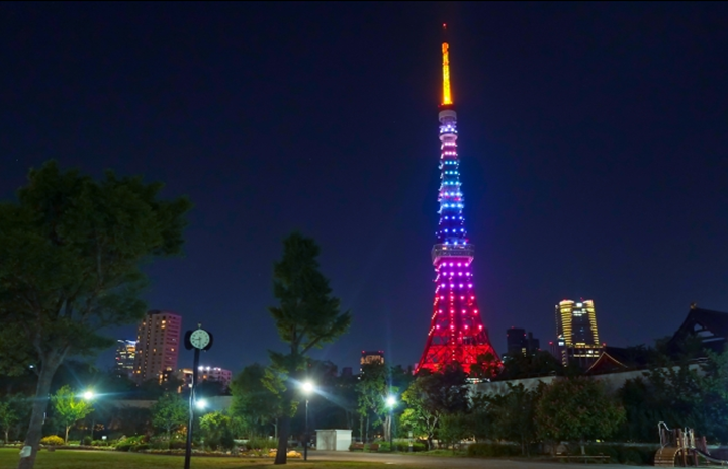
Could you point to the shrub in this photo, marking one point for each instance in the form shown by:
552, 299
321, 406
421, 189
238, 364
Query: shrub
634, 455
261, 444
87, 440
403, 446
384, 447
52, 440
489, 450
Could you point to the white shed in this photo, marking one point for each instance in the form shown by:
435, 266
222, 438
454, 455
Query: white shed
333, 440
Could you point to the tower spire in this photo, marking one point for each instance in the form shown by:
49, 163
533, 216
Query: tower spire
446, 94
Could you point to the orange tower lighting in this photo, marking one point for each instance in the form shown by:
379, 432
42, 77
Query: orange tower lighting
446, 93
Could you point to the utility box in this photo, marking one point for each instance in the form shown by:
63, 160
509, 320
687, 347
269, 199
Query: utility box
333, 440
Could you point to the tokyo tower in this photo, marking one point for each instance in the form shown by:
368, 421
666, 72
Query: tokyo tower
456, 332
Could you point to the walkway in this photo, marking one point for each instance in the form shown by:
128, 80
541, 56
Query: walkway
445, 462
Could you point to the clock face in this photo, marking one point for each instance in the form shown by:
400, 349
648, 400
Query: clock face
200, 339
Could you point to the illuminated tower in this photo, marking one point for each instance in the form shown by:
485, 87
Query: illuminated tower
577, 332
456, 332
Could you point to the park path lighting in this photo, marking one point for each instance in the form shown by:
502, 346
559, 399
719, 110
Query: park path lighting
201, 404
391, 402
89, 395
307, 387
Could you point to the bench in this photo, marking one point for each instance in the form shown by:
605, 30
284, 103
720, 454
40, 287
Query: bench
582, 458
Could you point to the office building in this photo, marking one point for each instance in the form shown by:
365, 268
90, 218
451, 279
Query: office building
372, 358
157, 346
207, 373
577, 332
520, 342
124, 359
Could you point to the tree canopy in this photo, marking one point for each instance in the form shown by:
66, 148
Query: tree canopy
70, 408
71, 252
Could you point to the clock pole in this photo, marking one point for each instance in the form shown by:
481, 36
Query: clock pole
197, 340
188, 448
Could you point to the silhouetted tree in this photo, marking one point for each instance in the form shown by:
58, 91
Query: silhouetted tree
307, 317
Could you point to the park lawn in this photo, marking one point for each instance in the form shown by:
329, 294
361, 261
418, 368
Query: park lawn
115, 460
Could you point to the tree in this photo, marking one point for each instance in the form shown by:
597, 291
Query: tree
431, 396
541, 363
169, 413
71, 251
12, 410
577, 409
253, 401
217, 428
70, 408
487, 366
372, 391
307, 317
454, 428
513, 415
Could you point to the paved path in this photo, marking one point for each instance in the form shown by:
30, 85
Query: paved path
446, 462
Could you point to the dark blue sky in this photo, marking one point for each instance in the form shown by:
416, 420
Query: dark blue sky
593, 140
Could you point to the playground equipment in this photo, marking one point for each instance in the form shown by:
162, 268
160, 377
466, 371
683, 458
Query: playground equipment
680, 447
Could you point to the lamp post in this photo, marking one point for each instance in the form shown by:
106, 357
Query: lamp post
307, 387
391, 402
89, 396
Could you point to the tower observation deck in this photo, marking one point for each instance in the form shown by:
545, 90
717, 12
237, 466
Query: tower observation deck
457, 333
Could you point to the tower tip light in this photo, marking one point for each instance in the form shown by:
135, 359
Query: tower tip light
446, 95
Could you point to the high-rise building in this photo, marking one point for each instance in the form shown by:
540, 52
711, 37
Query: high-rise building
577, 332
124, 359
207, 373
456, 333
372, 357
520, 342
157, 346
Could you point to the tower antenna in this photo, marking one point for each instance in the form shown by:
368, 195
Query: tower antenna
446, 93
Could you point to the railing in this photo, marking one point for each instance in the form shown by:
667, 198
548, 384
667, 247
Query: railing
452, 250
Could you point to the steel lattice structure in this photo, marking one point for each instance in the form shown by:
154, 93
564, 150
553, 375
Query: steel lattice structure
457, 333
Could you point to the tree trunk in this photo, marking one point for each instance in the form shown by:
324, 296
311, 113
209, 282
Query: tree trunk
40, 403
6, 436
68, 427
283, 432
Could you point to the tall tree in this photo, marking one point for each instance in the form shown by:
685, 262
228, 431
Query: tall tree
577, 409
70, 408
253, 401
169, 413
373, 388
307, 317
71, 251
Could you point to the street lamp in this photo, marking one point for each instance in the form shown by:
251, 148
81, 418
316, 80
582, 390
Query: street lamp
391, 401
307, 387
89, 395
201, 404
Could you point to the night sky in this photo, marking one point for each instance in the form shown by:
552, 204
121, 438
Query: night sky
593, 141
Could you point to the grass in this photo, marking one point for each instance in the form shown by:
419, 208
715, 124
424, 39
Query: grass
96, 460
